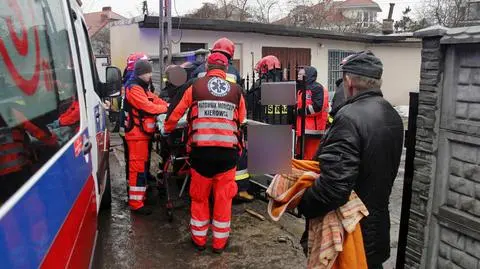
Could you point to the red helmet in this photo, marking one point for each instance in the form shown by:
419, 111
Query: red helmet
133, 58
224, 45
267, 63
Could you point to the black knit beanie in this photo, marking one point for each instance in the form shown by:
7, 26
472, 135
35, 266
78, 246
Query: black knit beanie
142, 67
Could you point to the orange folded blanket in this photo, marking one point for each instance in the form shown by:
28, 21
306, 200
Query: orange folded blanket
328, 244
286, 191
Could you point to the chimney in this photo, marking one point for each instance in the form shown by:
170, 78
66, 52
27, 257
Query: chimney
387, 27
106, 13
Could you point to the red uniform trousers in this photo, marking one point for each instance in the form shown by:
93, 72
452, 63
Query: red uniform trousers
224, 189
311, 146
137, 172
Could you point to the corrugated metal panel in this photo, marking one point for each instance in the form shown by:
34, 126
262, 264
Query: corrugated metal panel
156, 74
293, 56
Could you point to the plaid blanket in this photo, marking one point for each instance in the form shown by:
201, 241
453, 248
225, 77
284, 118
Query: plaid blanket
328, 244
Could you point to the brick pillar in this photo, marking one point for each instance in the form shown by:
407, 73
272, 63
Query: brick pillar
426, 147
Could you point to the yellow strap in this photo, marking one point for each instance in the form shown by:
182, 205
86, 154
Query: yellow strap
242, 177
330, 119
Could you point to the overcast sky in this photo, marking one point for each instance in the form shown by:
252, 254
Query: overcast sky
130, 8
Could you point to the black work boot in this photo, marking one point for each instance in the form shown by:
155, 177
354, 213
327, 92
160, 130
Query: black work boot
220, 250
198, 247
143, 211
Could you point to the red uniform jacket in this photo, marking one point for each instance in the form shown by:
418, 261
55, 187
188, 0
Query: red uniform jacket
143, 100
216, 130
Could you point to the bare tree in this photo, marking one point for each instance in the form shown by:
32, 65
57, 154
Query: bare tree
263, 9
449, 13
101, 42
237, 10
225, 9
207, 11
243, 7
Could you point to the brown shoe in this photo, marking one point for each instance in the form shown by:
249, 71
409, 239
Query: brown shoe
244, 197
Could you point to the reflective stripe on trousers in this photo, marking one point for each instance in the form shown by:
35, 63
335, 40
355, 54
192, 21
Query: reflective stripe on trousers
221, 235
136, 197
221, 225
198, 223
314, 132
135, 188
200, 233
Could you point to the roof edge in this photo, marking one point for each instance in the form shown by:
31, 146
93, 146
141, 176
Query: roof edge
432, 31
268, 29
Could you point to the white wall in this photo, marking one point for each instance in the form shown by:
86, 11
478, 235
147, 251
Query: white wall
402, 65
401, 71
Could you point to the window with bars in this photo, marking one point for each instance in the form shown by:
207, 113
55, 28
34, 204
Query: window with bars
334, 59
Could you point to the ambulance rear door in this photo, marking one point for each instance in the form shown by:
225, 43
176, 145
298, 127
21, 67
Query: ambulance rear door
96, 111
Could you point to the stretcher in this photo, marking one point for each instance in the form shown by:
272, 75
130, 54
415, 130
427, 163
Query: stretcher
176, 165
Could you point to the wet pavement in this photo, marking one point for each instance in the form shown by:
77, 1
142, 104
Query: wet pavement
130, 241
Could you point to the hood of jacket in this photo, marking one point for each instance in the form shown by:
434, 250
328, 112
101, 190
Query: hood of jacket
310, 75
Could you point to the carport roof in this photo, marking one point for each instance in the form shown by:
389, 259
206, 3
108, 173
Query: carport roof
270, 29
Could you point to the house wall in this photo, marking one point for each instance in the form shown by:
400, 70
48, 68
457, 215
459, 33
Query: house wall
401, 71
129, 38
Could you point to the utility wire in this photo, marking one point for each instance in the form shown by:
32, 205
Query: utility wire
179, 22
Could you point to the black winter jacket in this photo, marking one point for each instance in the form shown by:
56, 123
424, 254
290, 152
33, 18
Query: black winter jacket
316, 89
339, 96
360, 152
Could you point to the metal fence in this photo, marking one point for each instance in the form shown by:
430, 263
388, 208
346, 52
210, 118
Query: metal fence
270, 114
334, 59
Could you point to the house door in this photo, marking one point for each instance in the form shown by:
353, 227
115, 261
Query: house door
289, 57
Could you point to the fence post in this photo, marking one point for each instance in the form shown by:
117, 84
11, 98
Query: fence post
303, 88
410, 141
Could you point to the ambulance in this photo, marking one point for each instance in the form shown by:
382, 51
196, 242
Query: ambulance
54, 144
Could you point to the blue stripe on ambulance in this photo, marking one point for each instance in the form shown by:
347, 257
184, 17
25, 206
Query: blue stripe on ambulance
28, 230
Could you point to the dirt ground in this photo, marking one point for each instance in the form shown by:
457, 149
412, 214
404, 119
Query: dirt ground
131, 241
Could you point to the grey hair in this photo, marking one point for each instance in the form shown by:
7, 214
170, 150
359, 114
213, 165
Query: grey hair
364, 83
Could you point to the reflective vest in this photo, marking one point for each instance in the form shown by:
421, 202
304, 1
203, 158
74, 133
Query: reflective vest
12, 150
230, 77
213, 117
136, 117
242, 167
315, 122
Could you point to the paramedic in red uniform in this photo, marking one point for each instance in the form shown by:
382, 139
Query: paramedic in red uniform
142, 107
216, 110
226, 47
315, 111
15, 163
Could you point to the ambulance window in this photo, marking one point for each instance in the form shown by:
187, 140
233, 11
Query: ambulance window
93, 66
39, 111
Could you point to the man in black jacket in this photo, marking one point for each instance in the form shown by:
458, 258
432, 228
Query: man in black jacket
339, 95
360, 152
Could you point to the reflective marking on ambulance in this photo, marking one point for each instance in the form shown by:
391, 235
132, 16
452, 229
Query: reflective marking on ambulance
216, 109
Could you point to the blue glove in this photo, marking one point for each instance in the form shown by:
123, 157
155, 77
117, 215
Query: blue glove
54, 125
163, 133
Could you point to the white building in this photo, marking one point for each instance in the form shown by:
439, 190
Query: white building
293, 46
